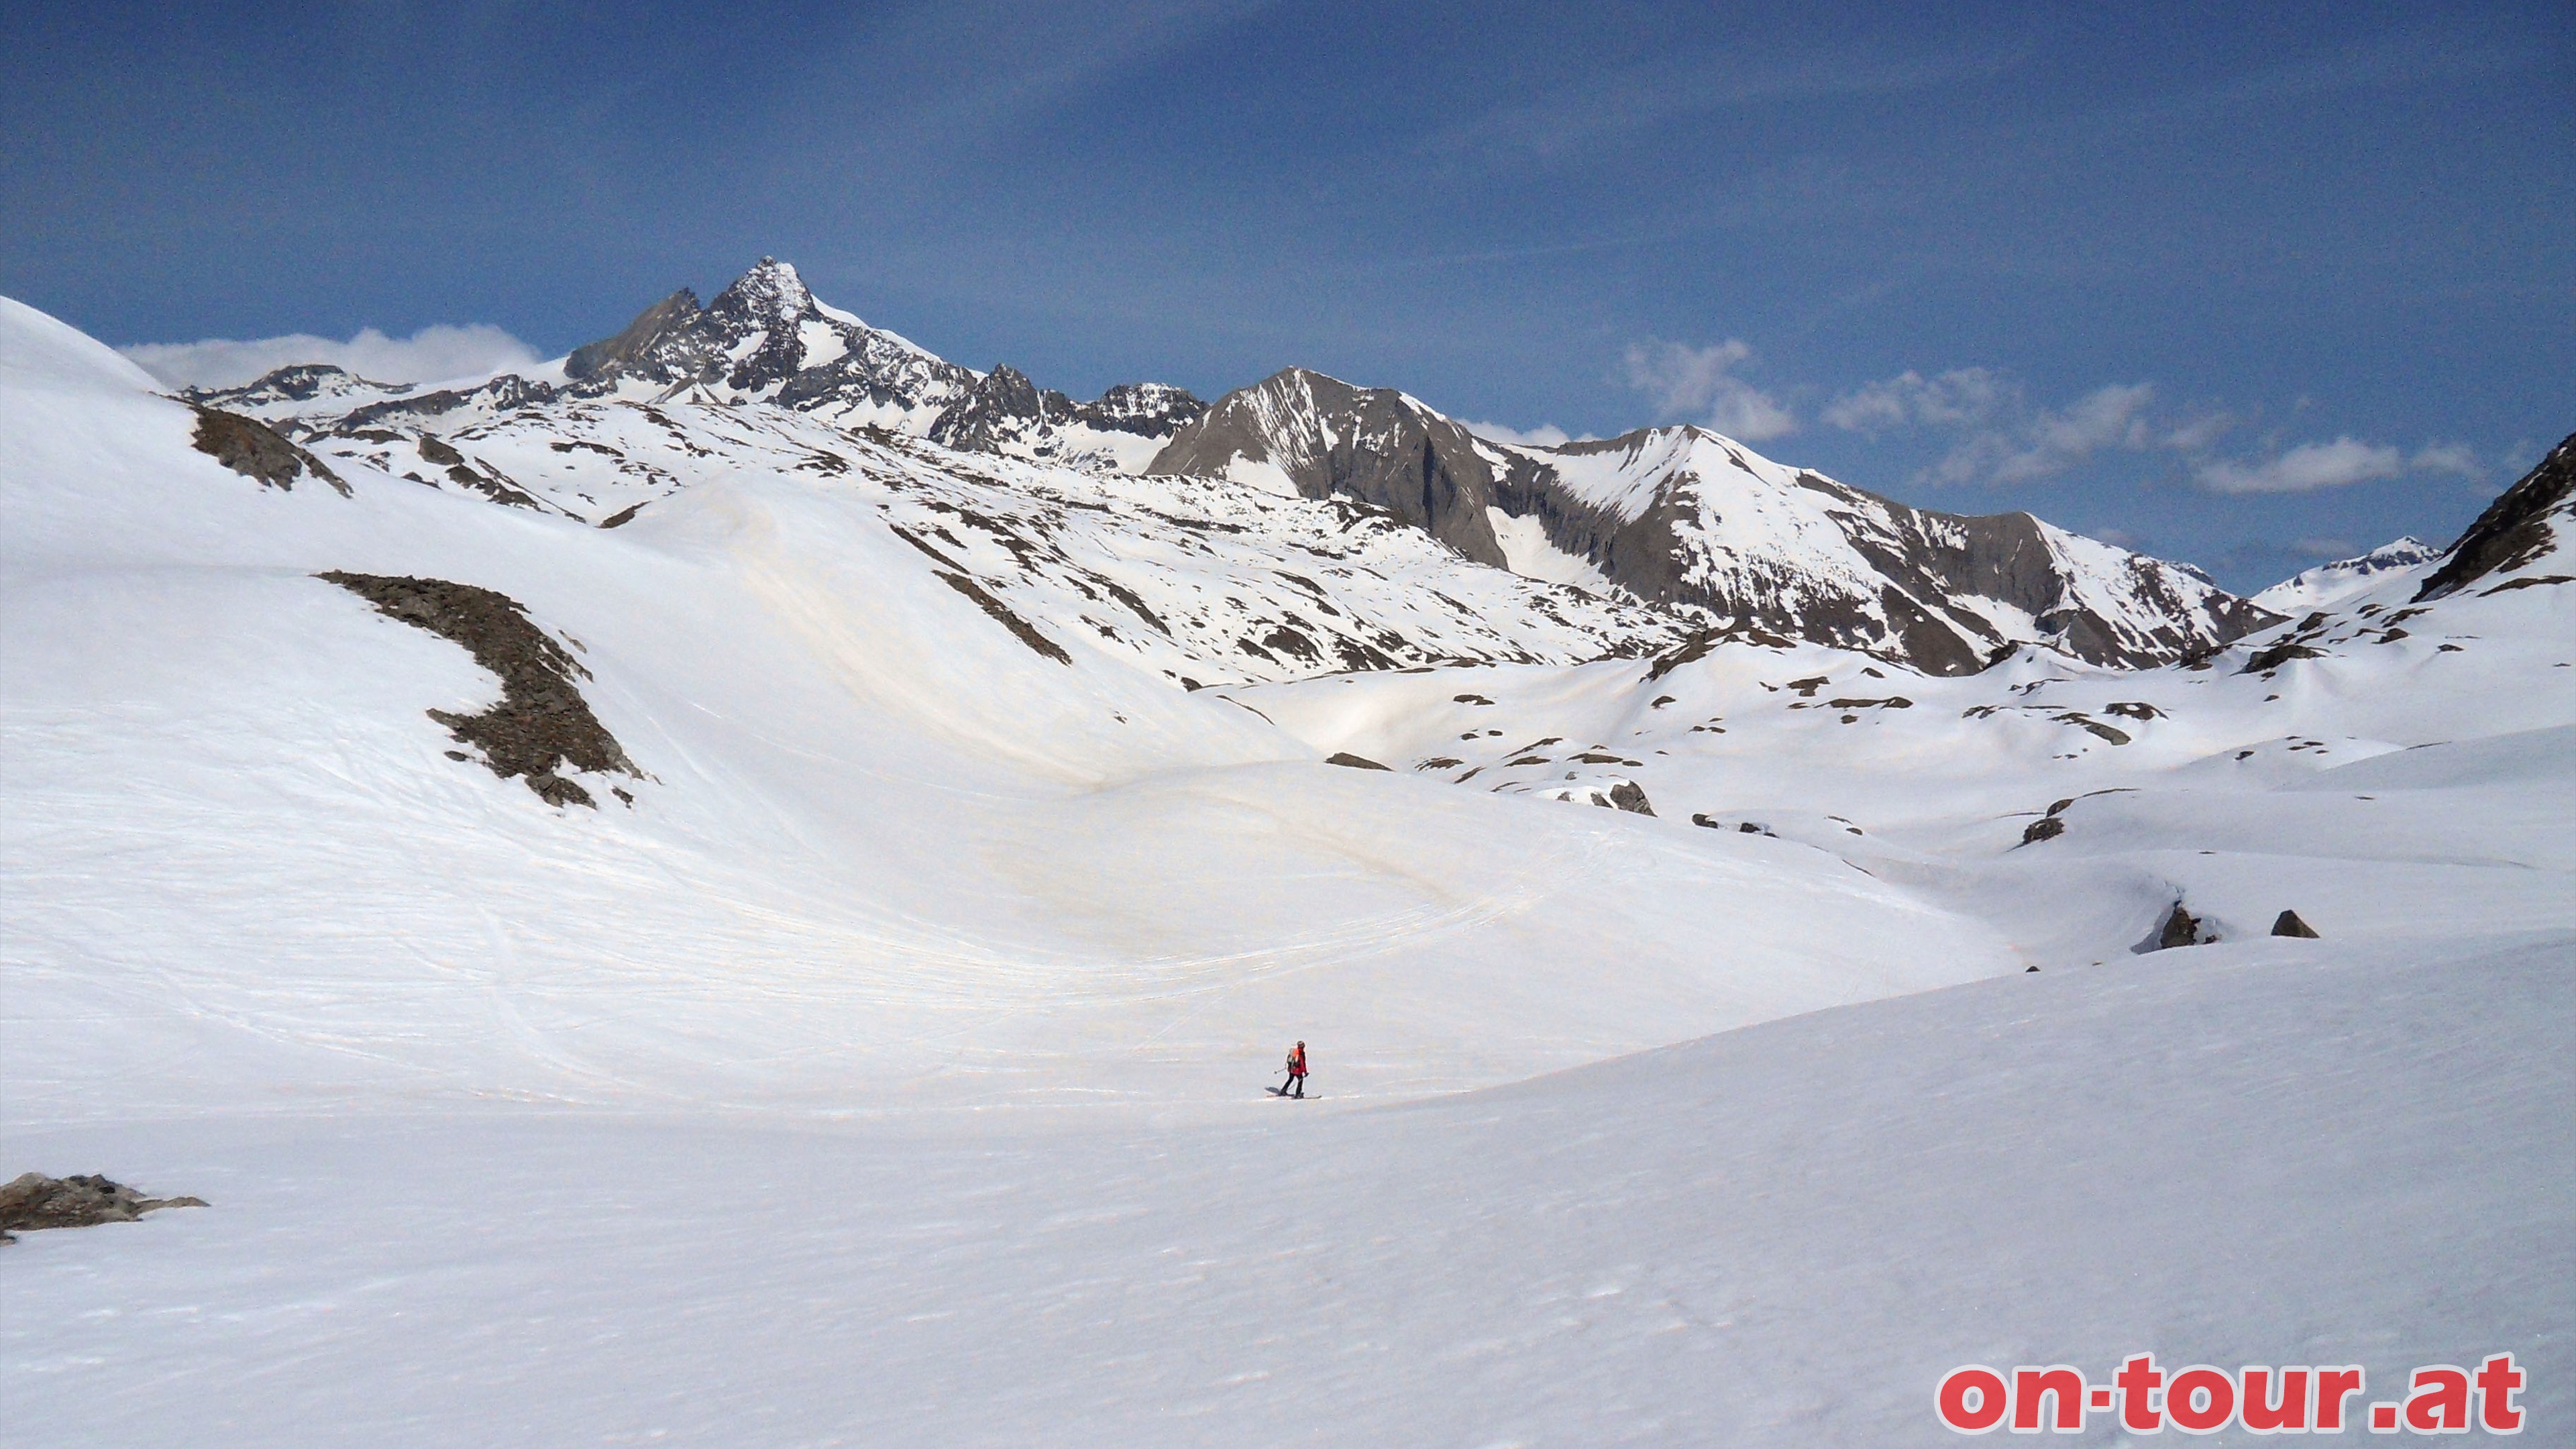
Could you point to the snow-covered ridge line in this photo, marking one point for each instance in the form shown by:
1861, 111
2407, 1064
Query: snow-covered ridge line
2328, 582
1693, 526
764, 339
1680, 515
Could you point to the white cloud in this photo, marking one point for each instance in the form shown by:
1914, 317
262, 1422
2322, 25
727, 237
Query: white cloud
1545, 435
2194, 435
2045, 443
1699, 382
2305, 468
2006, 439
433, 354
2325, 548
1961, 396
2453, 458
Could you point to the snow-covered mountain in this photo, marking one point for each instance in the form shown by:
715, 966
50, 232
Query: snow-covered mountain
2328, 582
667, 916
1713, 534
1682, 515
764, 339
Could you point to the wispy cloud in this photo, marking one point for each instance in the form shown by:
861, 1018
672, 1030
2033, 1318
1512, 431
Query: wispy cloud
2455, 459
1610, 104
2029, 445
1964, 395
2004, 439
432, 354
1699, 383
2304, 469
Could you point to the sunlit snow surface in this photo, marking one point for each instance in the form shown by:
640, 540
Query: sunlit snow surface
890, 1072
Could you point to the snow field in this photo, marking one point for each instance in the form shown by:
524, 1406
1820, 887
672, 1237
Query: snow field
2278, 1152
886, 1074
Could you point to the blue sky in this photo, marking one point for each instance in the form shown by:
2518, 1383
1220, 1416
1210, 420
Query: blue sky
2240, 285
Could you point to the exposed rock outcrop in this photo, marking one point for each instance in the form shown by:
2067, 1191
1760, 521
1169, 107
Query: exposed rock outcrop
257, 451
541, 722
1683, 516
34, 1201
2517, 530
2182, 928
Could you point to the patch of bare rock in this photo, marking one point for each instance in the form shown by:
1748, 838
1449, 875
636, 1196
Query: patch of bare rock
259, 452
32, 1201
541, 721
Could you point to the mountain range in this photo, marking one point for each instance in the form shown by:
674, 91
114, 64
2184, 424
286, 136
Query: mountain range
741, 887
1707, 534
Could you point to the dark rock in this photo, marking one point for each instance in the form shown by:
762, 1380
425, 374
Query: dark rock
2047, 827
2276, 655
2515, 530
650, 327
33, 1201
1627, 796
257, 451
2535, 581
1001, 614
1356, 762
1372, 444
541, 721
2112, 733
2289, 924
2182, 928
1147, 409
1002, 402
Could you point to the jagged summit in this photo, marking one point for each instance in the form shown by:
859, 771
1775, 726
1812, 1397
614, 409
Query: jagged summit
767, 339
771, 292
1677, 517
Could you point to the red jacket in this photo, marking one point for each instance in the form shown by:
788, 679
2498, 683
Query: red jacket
1297, 1062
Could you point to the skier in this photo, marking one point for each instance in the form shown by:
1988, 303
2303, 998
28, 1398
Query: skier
1296, 1072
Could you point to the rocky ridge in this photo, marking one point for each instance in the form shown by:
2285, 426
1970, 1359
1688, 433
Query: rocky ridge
1680, 515
1679, 519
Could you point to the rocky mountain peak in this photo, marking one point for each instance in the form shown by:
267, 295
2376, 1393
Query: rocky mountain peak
771, 294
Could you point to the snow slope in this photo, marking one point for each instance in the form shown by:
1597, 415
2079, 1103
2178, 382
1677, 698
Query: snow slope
1781, 1236
883, 848
884, 1073
2330, 583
